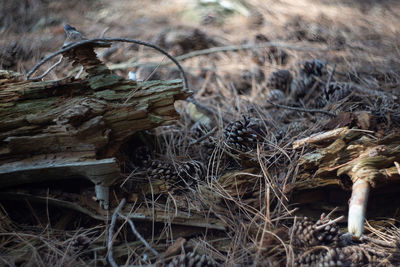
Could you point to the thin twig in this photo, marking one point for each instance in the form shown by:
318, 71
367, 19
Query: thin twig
248, 47
330, 222
203, 137
139, 236
126, 40
230, 48
111, 234
50, 69
79, 73
104, 32
303, 109
330, 213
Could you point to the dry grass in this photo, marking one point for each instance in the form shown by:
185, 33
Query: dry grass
246, 193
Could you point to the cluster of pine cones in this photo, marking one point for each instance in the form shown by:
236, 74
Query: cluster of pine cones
173, 173
322, 244
183, 172
281, 83
191, 259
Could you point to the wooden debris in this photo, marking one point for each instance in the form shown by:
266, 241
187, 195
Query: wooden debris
367, 161
321, 137
73, 128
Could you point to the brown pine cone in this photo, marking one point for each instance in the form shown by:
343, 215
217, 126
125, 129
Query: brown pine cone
191, 259
191, 171
321, 257
280, 80
307, 233
312, 67
181, 173
333, 257
243, 135
160, 170
308, 69
355, 254
337, 91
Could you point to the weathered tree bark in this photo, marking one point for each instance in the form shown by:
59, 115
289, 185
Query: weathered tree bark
73, 127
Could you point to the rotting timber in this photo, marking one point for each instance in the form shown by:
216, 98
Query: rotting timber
72, 128
367, 162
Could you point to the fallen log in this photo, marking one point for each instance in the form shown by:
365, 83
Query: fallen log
72, 128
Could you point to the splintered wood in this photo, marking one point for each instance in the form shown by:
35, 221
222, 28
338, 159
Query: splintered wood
72, 128
366, 160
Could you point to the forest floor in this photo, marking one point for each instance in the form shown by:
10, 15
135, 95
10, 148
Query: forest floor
224, 181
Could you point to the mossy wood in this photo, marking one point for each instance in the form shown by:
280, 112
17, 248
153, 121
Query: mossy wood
74, 127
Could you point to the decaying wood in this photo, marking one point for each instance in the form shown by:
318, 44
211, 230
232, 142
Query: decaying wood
73, 127
366, 160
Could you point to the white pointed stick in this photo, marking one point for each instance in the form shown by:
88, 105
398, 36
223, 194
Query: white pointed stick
357, 207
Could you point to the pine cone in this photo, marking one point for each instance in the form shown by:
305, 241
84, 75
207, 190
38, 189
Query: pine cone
191, 260
355, 254
308, 69
192, 170
160, 170
280, 79
321, 257
306, 233
333, 257
244, 135
312, 67
183, 173
337, 91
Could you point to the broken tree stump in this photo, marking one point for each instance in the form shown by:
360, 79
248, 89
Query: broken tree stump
72, 128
